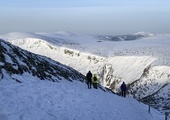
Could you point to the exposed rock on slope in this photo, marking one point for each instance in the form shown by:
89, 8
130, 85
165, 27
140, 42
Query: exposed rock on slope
14, 60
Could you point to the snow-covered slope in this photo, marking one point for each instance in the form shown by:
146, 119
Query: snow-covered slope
34, 87
64, 100
113, 62
15, 61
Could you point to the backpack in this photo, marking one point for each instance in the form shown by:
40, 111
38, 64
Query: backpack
95, 78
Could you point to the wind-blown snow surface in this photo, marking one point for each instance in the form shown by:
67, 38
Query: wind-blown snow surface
44, 100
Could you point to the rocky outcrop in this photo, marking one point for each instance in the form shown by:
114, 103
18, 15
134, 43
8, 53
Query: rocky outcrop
14, 60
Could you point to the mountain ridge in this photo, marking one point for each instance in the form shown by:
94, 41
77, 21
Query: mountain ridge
17, 61
113, 62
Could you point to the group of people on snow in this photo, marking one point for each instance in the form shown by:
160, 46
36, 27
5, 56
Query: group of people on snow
93, 80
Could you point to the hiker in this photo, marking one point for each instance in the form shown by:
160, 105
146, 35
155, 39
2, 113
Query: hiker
89, 79
95, 82
123, 88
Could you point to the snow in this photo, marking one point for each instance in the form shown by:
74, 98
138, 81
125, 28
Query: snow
158, 77
143, 33
45, 100
8, 59
1, 64
121, 61
127, 58
130, 57
132, 64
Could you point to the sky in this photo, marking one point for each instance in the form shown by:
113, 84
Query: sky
106, 17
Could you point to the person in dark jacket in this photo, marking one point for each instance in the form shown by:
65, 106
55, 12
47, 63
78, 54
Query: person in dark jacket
89, 79
123, 88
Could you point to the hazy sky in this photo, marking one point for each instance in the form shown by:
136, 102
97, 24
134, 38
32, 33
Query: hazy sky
85, 16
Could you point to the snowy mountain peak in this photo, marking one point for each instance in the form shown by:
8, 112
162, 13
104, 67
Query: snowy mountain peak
65, 33
19, 35
143, 34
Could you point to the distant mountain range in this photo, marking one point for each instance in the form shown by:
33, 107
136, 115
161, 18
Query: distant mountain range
142, 60
125, 37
